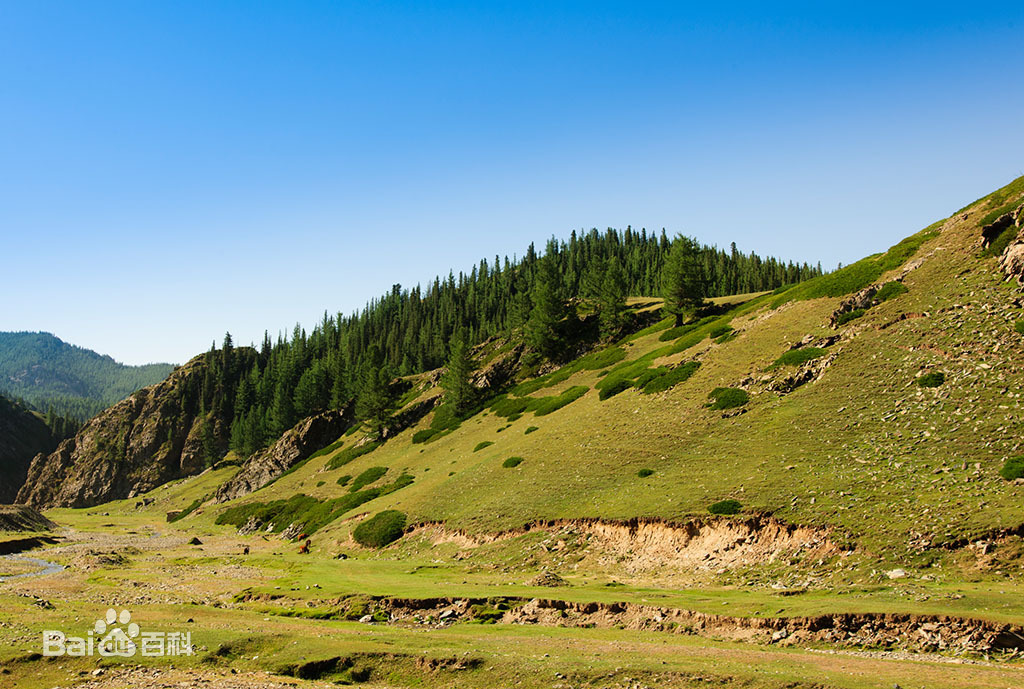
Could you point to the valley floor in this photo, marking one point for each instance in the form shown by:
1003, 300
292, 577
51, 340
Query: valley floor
429, 615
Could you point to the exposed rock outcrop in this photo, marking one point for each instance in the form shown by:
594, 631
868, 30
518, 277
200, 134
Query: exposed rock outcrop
1012, 262
308, 436
154, 436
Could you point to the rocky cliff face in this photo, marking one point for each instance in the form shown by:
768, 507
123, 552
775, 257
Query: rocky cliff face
23, 435
308, 436
154, 436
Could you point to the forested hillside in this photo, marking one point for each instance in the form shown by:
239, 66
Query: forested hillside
409, 331
65, 380
23, 434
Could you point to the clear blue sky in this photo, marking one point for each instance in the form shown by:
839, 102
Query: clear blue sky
169, 171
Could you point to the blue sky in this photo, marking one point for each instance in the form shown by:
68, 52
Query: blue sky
169, 171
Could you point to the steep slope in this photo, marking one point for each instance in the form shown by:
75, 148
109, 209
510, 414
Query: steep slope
156, 435
23, 435
76, 382
841, 419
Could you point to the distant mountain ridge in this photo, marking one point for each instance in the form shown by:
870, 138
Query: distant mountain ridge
47, 372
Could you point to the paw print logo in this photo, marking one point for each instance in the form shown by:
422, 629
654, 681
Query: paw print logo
115, 633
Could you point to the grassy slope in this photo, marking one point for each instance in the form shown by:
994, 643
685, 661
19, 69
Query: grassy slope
836, 440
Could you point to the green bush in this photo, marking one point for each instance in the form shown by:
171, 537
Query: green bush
845, 318
644, 473
530, 430
367, 477
727, 398
725, 507
795, 357
1013, 468
719, 331
546, 405
381, 529
346, 456
649, 375
512, 462
727, 337
1005, 238
507, 406
932, 380
189, 510
890, 290
343, 480
424, 435
481, 445
611, 390
1019, 327
670, 377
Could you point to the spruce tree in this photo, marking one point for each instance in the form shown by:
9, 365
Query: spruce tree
374, 403
683, 279
545, 329
612, 299
457, 379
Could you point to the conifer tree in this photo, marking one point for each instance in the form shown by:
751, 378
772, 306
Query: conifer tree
456, 381
612, 299
374, 403
683, 279
545, 328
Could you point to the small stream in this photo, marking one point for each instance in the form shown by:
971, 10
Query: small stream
45, 567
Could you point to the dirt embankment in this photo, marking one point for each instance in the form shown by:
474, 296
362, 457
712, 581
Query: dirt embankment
913, 633
642, 546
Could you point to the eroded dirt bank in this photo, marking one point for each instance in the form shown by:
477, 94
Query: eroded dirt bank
914, 633
641, 546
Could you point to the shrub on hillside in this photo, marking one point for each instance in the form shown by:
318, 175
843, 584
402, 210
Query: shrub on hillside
343, 480
725, 507
1019, 327
615, 388
719, 331
670, 377
481, 445
890, 290
512, 462
1013, 468
644, 473
367, 477
381, 529
424, 435
727, 398
932, 380
530, 430
795, 357
845, 318
546, 405
346, 456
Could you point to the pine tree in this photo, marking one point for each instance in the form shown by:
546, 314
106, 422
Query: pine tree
683, 282
374, 403
612, 299
456, 381
544, 330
